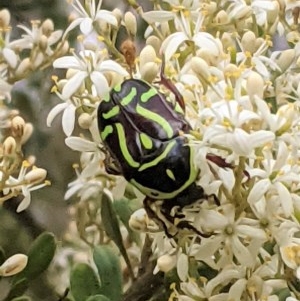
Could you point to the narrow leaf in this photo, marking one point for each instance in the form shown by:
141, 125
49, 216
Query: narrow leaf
112, 227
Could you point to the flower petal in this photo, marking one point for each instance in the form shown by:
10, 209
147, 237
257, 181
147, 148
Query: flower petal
106, 16
68, 119
73, 84
110, 65
55, 111
66, 62
86, 26
80, 144
171, 43
100, 83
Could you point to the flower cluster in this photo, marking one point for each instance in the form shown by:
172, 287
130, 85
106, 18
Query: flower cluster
35, 50
242, 100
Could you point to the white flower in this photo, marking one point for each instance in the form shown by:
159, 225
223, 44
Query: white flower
230, 238
87, 17
26, 182
273, 180
33, 36
88, 65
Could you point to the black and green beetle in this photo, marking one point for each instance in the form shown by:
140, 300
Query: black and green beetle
143, 132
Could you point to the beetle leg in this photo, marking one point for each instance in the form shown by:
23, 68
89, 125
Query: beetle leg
154, 216
222, 163
111, 166
170, 85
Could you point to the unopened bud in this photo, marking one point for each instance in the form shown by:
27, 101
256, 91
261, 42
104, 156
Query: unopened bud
149, 71
200, 67
155, 42
243, 13
147, 55
248, 41
130, 23
17, 126
273, 14
47, 27
13, 265
36, 175
118, 14
285, 59
227, 40
4, 18
222, 17
28, 129
165, 263
85, 121
255, 85
9, 146
129, 51
138, 220
43, 42
23, 68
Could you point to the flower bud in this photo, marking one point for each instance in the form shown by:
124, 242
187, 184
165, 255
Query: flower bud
248, 41
9, 146
200, 67
4, 18
149, 71
155, 42
24, 67
13, 265
85, 121
138, 220
17, 126
147, 55
165, 263
47, 27
227, 40
118, 15
222, 17
285, 59
28, 129
36, 175
43, 42
130, 23
255, 85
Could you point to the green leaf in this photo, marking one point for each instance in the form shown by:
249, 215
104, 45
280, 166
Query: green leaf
83, 282
109, 269
40, 255
124, 210
23, 298
18, 289
110, 221
98, 298
112, 227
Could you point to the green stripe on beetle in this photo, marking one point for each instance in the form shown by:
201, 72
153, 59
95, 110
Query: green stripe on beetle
146, 141
159, 158
147, 95
111, 113
156, 118
107, 130
123, 146
156, 194
129, 97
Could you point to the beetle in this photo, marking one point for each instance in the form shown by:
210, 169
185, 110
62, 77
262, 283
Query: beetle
143, 131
